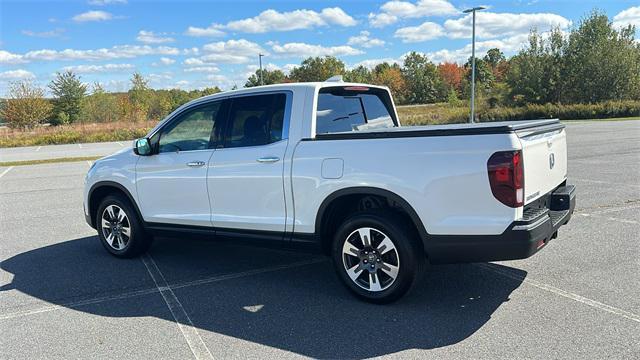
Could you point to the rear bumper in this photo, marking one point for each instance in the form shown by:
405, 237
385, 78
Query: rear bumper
521, 240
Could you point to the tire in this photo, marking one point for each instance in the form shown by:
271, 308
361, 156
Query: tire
120, 229
370, 248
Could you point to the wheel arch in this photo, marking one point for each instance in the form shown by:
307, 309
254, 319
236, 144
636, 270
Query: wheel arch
327, 207
100, 190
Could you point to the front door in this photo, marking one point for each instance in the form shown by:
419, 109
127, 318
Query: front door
246, 186
172, 183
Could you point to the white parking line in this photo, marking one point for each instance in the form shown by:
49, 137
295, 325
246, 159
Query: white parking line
190, 333
89, 163
119, 143
6, 171
563, 293
80, 146
39, 147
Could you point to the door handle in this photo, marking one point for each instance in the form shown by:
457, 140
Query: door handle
268, 159
195, 163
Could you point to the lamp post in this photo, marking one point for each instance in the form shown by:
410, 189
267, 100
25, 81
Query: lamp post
260, 59
473, 60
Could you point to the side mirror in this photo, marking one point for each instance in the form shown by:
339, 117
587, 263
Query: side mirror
142, 147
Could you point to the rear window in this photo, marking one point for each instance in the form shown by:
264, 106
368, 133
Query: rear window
343, 109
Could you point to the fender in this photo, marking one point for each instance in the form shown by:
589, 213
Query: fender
112, 184
365, 190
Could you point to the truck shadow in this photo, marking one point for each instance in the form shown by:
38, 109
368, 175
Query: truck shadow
301, 309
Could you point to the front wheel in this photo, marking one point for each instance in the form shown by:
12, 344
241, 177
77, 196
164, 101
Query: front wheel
119, 228
377, 257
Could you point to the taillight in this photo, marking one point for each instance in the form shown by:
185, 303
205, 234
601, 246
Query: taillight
506, 177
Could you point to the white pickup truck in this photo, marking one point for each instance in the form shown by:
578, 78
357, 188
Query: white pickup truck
327, 164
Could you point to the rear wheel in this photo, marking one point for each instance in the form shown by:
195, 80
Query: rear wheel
119, 228
376, 256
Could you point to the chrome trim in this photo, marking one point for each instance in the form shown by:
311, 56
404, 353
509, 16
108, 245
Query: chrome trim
268, 159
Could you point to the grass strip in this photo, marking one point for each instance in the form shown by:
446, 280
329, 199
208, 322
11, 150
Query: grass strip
49, 161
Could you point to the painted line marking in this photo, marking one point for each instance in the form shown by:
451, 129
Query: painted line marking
39, 147
563, 293
119, 143
6, 171
190, 333
80, 146
89, 162
613, 219
135, 293
603, 182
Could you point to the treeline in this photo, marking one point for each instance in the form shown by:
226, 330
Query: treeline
72, 102
593, 71
594, 62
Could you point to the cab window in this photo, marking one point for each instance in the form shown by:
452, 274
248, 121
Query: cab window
255, 120
195, 129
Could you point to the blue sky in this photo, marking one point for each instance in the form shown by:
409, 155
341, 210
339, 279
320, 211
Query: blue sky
194, 44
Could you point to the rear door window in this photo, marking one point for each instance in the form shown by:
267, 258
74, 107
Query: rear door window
255, 120
343, 109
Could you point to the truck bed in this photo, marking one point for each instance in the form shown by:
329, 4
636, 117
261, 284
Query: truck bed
522, 128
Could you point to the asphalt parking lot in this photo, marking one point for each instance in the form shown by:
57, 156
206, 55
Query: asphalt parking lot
62, 296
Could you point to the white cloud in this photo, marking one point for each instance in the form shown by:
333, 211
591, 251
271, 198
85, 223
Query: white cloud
115, 52
106, 68
44, 34
203, 69
19, 74
424, 32
273, 20
149, 37
212, 31
630, 16
394, 10
167, 61
303, 50
10, 58
230, 52
493, 25
509, 46
93, 15
105, 2
372, 63
364, 40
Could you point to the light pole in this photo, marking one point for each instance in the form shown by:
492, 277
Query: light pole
260, 59
473, 60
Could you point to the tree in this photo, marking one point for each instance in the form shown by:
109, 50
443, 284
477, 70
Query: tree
268, 77
391, 77
140, 97
601, 63
452, 75
68, 92
498, 63
423, 81
25, 106
99, 106
359, 74
317, 69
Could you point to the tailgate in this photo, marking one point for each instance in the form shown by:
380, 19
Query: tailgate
544, 156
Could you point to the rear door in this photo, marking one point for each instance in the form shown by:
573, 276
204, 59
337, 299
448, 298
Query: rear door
544, 154
246, 173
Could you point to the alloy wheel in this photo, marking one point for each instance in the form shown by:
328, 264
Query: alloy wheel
370, 259
116, 227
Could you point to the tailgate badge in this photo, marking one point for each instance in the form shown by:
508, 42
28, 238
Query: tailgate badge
552, 161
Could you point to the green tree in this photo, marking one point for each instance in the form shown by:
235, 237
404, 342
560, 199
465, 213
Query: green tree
140, 97
99, 106
601, 63
359, 74
268, 77
424, 84
25, 106
68, 92
317, 69
494, 57
391, 77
